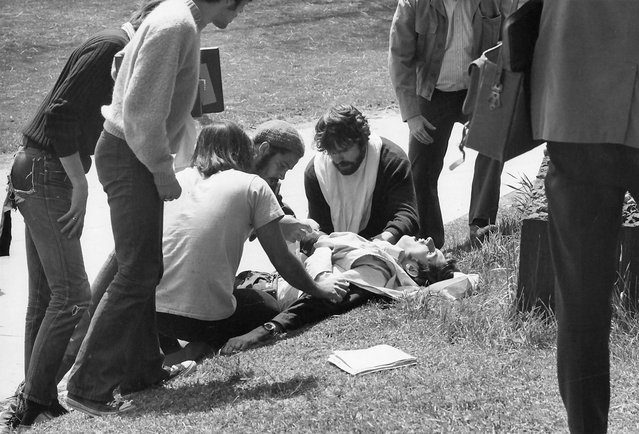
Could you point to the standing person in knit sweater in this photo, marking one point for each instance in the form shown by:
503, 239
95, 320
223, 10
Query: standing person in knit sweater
147, 121
49, 187
359, 182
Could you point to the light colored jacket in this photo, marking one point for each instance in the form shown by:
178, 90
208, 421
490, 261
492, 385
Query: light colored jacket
585, 76
418, 39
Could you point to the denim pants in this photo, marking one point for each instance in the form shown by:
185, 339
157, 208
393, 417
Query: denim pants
58, 285
585, 187
121, 346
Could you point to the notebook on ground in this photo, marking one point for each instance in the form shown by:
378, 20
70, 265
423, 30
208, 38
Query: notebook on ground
377, 358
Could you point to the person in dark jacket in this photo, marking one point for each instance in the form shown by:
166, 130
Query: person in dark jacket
359, 182
592, 131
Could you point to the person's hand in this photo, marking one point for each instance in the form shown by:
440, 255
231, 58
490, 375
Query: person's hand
294, 229
332, 288
418, 126
73, 220
169, 191
255, 338
385, 236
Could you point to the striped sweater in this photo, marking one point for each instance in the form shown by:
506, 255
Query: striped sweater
68, 119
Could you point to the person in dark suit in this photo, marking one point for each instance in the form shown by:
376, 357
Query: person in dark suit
585, 104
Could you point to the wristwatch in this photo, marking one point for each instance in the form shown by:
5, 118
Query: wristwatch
272, 328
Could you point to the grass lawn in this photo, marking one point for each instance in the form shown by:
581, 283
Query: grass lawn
482, 366
287, 60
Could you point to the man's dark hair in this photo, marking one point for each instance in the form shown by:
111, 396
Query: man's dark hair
431, 274
144, 9
220, 146
339, 128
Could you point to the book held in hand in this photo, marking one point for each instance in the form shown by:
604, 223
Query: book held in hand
373, 359
209, 97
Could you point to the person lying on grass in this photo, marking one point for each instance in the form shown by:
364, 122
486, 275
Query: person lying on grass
374, 269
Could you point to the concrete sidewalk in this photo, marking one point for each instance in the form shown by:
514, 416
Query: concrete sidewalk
97, 240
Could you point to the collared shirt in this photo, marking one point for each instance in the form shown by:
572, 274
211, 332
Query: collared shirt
459, 43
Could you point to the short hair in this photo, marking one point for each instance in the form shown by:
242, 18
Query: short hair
262, 160
145, 8
220, 146
431, 274
339, 125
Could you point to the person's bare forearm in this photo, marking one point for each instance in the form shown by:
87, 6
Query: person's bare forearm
73, 219
292, 270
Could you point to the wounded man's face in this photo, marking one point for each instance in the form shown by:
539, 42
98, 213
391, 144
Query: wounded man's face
420, 254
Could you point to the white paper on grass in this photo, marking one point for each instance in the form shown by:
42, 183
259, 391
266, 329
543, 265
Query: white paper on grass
377, 358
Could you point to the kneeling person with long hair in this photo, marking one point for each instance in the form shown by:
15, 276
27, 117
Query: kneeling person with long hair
204, 234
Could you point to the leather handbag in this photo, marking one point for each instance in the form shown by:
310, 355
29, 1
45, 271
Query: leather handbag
498, 99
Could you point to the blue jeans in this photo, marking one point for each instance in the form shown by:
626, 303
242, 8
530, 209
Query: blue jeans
58, 286
121, 346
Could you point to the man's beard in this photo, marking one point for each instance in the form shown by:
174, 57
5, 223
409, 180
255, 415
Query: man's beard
348, 168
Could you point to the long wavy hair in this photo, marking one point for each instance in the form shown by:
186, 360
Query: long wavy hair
220, 146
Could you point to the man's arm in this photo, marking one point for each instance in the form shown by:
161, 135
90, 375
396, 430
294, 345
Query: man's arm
321, 266
318, 208
292, 270
402, 64
295, 229
73, 219
397, 193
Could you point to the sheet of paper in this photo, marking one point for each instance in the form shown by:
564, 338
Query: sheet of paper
377, 358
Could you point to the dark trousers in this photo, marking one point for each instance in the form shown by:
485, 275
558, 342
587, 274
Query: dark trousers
484, 196
124, 322
585, 187
308, 310
427, 161
254, 308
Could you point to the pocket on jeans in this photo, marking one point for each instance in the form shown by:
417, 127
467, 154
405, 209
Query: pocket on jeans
54, 175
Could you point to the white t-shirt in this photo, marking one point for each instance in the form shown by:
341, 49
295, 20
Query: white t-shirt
204, 234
